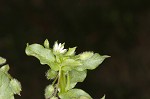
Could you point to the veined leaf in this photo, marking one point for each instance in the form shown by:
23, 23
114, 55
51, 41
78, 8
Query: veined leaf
92, 62
43, 54
75, 94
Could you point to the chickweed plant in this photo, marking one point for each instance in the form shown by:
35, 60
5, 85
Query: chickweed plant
8, 85
66, 69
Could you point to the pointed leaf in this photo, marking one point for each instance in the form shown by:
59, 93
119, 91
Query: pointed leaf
71, 51
5, 68
2, 60
103, 97
46, 43
43, 54
92, 62
75, 94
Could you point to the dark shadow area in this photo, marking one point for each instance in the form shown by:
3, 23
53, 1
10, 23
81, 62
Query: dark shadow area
120, 29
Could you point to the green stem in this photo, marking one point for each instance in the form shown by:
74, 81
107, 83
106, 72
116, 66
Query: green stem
58, 82
62, 82
55, 79
68, 81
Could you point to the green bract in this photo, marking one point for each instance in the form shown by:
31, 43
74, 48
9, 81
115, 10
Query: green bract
103, 97
66, 68
2, 60
8, 85
49, 91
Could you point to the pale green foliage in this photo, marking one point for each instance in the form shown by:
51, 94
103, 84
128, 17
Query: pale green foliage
49, 91
91, 61
54, 98
43, 54
85, 55
2, 60
15, 86
70, 52
46, 43
66, 68
75, 94
103, 97
8, 85
51, 74
75, 76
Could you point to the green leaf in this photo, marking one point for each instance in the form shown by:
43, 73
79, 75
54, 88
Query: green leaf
51, 74
8, 85
103, 97
84, 97
54, 66
54, 98
92, 62
46, 44
70, 64
75, 94
2, 60
85, 55
49, 90
76, 76
15, 86
71, 51
71, 85
43, 54
5, 68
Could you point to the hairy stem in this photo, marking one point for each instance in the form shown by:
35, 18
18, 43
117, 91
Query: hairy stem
56, 85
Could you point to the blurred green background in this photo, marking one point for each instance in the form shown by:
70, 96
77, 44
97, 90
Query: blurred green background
117, 28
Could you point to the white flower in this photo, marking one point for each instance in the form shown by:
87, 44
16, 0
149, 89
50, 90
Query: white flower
59, 48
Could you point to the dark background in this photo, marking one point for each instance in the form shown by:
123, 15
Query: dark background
117, 28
